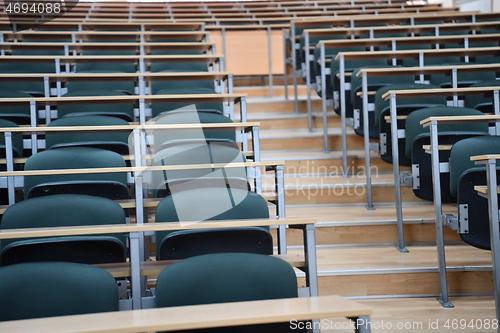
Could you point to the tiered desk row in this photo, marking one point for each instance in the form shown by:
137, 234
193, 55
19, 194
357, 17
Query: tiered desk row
44, 110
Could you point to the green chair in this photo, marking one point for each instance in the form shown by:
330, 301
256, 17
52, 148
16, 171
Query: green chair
198, 152
109, 185
17, 114
464, 175
227, 277
464, 79
404, 107
481, 102
174, 84
374, 83
119, 110
36, 290
127, 87
63, 211
165, 137
114, 141
417, 136
212, 203
158, 108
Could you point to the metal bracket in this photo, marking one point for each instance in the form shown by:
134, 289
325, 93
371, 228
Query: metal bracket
463, 219
383, 144
375, 147
406, 179
350, 122
356, 118
450, 221
415, 171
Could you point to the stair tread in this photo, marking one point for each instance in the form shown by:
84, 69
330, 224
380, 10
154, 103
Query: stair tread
337, 215
385, 259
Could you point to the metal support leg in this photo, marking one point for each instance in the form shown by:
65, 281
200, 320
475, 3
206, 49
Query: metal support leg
362, 324
311, 262
135, 270
397, 186
285, 63
256, 158
443, 283
491, 175
9, 156
34, 136
343, 114
46, 90
323, 100
270, 60
280, 207
366, 139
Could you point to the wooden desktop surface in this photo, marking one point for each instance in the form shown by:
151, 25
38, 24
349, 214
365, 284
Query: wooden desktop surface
195, 316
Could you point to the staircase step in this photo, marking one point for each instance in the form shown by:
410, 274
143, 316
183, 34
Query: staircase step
291, 120
280, 104
264, 91
355, 224
304, 139
316, 161
382, 270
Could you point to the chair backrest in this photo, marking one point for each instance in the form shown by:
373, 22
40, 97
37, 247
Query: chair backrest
381, 104
17, 141
35, 290
463, 150
190, 117
114, 141
212, 204
414, 129
120, 86
198, 152
225, 277
158, 108
120, 110
181, 84
75, 158
17, 114
61, 211
480, 102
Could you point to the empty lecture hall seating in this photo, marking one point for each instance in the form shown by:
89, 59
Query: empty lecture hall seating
227, 158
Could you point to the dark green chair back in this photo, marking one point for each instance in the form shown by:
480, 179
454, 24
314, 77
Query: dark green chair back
127, 87
213, 203
119, 110
17, 114
188, 84
189, 117
158, 108
17, 141
114, 141
414, 129
110, 185
225, 277
463, 150
382, 104
36, 290
198, 152
62, 211
481, 102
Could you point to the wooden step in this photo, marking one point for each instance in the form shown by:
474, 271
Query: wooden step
264, 91
304, 139
422, 315
355, 224
316, 161
383, 270
279, 104
291, 120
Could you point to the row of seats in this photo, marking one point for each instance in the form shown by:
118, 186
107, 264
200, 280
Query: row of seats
244, 272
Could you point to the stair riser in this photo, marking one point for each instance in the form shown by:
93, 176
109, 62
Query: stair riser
334, 165
290, 143
403, 284
283, 106
276, 91
343, 195
295, 123
370, 234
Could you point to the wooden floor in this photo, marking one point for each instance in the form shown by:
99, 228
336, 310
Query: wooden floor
471, 314
356, 250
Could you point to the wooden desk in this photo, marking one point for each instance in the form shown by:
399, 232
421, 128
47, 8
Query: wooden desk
432, 123
198, 316
137, 230
491, 191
